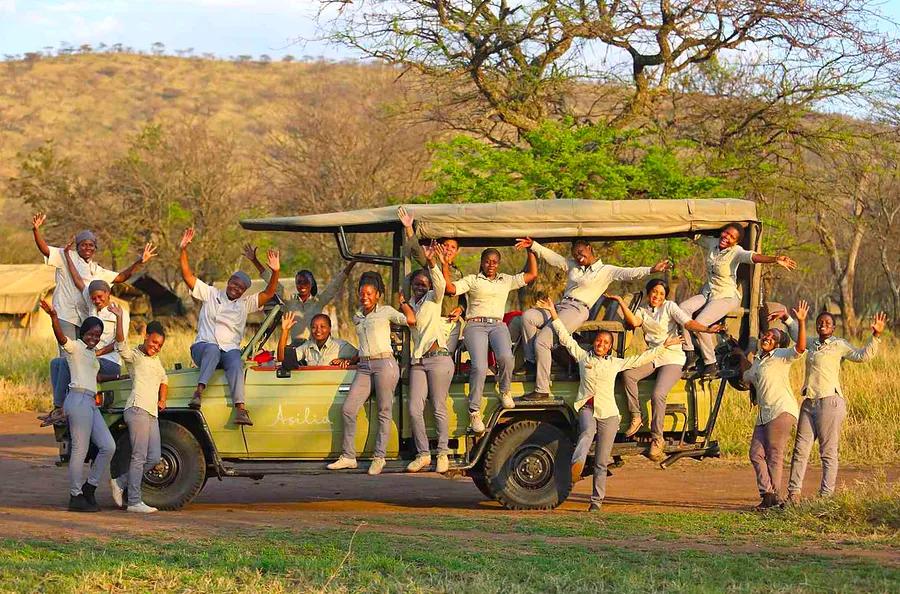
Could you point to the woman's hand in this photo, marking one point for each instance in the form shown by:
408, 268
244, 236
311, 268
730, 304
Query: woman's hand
878, 323
673, 340
439, 252
186, 238
405, 218
785, 262
524, 244
780, 314
115, 309
715, 328
149, 253
546, 303
161, 405
455, 314
273, 259
801, 311
662, 266
249, 252
288, 320
429, 252
342, 363
617, 298
48, 308
37, 220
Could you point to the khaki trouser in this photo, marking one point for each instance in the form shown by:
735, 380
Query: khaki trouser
539, 336
666, 377
384, 373
767, 452
713, 310
606, 436
820, 418
430, 378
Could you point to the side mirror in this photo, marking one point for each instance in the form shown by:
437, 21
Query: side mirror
282, 371
177, 366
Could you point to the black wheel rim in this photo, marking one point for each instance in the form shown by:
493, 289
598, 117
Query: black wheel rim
164, 473
532, 467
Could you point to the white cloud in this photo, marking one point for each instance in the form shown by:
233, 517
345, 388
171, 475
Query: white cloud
8, 6
86, 30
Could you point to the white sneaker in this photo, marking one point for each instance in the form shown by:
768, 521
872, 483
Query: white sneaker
506, 400
142, 508
443, 464
421, 461
116, 489
342, 463
376, 466
475, 422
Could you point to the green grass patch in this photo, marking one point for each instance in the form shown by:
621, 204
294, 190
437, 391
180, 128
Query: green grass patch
382, 561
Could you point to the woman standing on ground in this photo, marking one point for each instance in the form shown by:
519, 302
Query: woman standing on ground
778, 411
487, 293
377, 366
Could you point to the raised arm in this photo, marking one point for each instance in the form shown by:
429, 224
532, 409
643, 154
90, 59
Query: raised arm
287, 322
620, 273
783, 261
800, 312
411, 247
328, 294
116, 310
449, 287
73, 272
531, 269
407, 310
544, 253
186, 238
249, 252
148, 253
870, 349
36, 221
438, 284
273, 259
649, 355
630, 319
54, 320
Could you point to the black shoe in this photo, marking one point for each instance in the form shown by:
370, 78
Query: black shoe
594, 507
527, 369
194, 403
536, 396
769, 501
79, 503
707, 371
88, 490
691, 360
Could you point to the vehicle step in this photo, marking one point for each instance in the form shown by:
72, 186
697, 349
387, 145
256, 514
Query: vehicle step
262, 468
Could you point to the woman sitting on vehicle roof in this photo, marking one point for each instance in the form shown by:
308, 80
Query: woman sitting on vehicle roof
321, 350
720, 295
220, 326
376, 365
487, 294
307, 302
432, 366
659, 319
778, 411
598, 370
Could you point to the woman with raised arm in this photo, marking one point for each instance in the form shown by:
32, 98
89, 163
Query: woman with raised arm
322, 349
598, 369
307, 302
377, 366
220, 326
769, 373
659, 319
487, 293
432, 366
86, 424
824, 405
149, 389
720, 295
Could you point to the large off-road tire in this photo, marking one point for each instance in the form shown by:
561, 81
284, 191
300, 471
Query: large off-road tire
481, 482
181, 473
528, 466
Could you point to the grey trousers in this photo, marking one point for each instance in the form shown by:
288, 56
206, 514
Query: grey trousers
820, 418
384, 373
207, 356
587, 429
478, 336
715, 309
767, 452
606, 436
70, 331
430, 378
539, 336
143, 433
61, 376
86, 425
453, 338
666, 377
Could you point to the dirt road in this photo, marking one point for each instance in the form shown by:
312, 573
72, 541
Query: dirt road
33, 492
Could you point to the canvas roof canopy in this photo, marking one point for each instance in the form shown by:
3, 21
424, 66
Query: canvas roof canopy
23, 285
560, 219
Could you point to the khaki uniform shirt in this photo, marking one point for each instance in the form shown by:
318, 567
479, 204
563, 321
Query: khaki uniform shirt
67, 299
823, 361
431, 326
487, 297
374, 330
222, 320
147, 374
721, 268
659, 323
449, 302
83, 365
109, 328
334, 348
598, 374
587, 283
305, 311
770, 374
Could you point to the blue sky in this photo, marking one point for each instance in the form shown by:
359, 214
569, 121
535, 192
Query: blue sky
222, 27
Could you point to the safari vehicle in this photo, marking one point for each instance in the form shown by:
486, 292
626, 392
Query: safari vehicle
523, 458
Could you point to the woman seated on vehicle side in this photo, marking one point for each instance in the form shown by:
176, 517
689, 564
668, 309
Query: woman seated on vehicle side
321, 350
377, 366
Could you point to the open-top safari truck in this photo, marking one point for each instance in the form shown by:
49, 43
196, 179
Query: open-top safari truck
523, 458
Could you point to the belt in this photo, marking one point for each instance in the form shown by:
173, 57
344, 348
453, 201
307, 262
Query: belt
377, 356
484, 320
77, 390
436, 353
579, 301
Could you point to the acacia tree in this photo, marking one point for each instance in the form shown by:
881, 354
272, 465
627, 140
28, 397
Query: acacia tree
518, 56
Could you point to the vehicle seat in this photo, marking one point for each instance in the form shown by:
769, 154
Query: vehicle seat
605, 315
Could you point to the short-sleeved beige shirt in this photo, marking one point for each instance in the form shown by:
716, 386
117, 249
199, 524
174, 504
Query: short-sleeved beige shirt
658, 324
147, 374
487, 297
770, 374
374, 329
83, 365
67, 299
721, 268
222, 321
